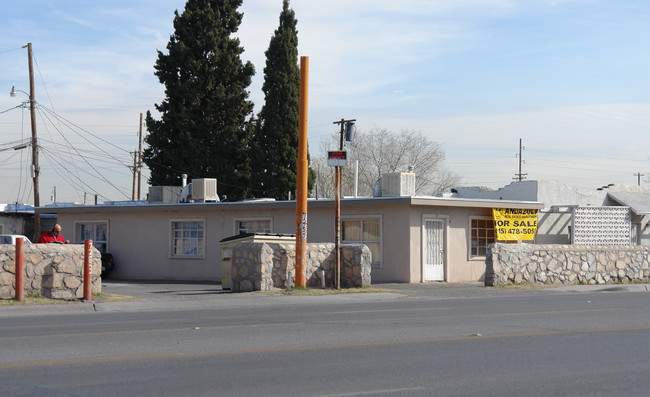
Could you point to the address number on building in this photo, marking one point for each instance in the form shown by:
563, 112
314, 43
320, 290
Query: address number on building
337, 158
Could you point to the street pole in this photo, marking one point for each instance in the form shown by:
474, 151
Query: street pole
520, 176
35, 170
337, 209
140, 157
135, 165
639, 175
301, 178
337, 228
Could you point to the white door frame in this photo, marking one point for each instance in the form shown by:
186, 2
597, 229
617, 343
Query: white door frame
445, 245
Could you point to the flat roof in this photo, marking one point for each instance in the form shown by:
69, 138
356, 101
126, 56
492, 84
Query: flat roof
639, 203
311, 203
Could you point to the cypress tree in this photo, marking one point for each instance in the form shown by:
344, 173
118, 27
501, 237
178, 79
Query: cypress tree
275, 144
203, 130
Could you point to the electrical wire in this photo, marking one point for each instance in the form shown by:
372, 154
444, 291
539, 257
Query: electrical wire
71, 124
81, 186
13, 108
76, 151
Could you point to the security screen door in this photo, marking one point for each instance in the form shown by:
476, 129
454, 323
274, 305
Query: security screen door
434, 250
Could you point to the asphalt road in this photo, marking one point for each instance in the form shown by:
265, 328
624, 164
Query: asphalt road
448, 340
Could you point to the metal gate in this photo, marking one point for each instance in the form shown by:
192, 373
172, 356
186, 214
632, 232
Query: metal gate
434, 250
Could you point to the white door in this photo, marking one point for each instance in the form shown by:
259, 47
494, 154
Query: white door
434, 250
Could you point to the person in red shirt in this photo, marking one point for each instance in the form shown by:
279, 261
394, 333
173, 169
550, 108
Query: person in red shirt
53, 236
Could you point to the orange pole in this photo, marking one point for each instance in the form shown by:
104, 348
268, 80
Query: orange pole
301, 182
88, 269
20, 270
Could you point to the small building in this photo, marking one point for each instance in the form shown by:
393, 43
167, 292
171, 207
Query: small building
557, 218
16, 218
412, 239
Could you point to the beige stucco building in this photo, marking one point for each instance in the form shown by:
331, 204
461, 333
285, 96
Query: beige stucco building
412, 239
560, 202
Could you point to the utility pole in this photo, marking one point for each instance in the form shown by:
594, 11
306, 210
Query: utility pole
35, 170
639, 175
135, 164
520, 177
301, 178
337, 207
140, 157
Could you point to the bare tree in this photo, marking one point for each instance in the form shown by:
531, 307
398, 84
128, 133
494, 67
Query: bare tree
381, 151
324, 182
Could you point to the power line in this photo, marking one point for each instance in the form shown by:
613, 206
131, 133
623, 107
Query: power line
59, 117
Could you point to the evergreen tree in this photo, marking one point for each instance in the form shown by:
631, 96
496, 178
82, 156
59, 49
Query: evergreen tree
275, 144
203, 130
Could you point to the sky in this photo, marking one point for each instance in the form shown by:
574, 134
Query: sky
569, 78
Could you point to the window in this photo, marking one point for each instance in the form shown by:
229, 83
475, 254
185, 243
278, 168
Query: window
364, 231
260, 225
97, 231
482, 235
188, 238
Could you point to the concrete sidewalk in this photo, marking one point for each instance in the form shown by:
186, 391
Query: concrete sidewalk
174, 296
165, 291
469, 290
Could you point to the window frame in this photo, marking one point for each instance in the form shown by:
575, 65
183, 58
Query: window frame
78, 237
362, 218
200, 243
237, 230
470, 230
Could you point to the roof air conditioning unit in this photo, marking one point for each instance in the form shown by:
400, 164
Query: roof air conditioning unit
164, 194
204, 189
398, 184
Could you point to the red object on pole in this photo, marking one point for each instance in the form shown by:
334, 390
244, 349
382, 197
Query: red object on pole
88, 269
301, 182
20, 269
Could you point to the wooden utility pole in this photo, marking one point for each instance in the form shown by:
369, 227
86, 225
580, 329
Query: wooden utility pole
35, 170
639, 175
135, 164
337, 209
520, 176
140, 157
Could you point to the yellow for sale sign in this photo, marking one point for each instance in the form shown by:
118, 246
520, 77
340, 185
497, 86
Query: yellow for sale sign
514, 224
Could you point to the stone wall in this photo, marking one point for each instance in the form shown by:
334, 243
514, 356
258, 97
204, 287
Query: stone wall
566, 264
51, 270
265, 266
